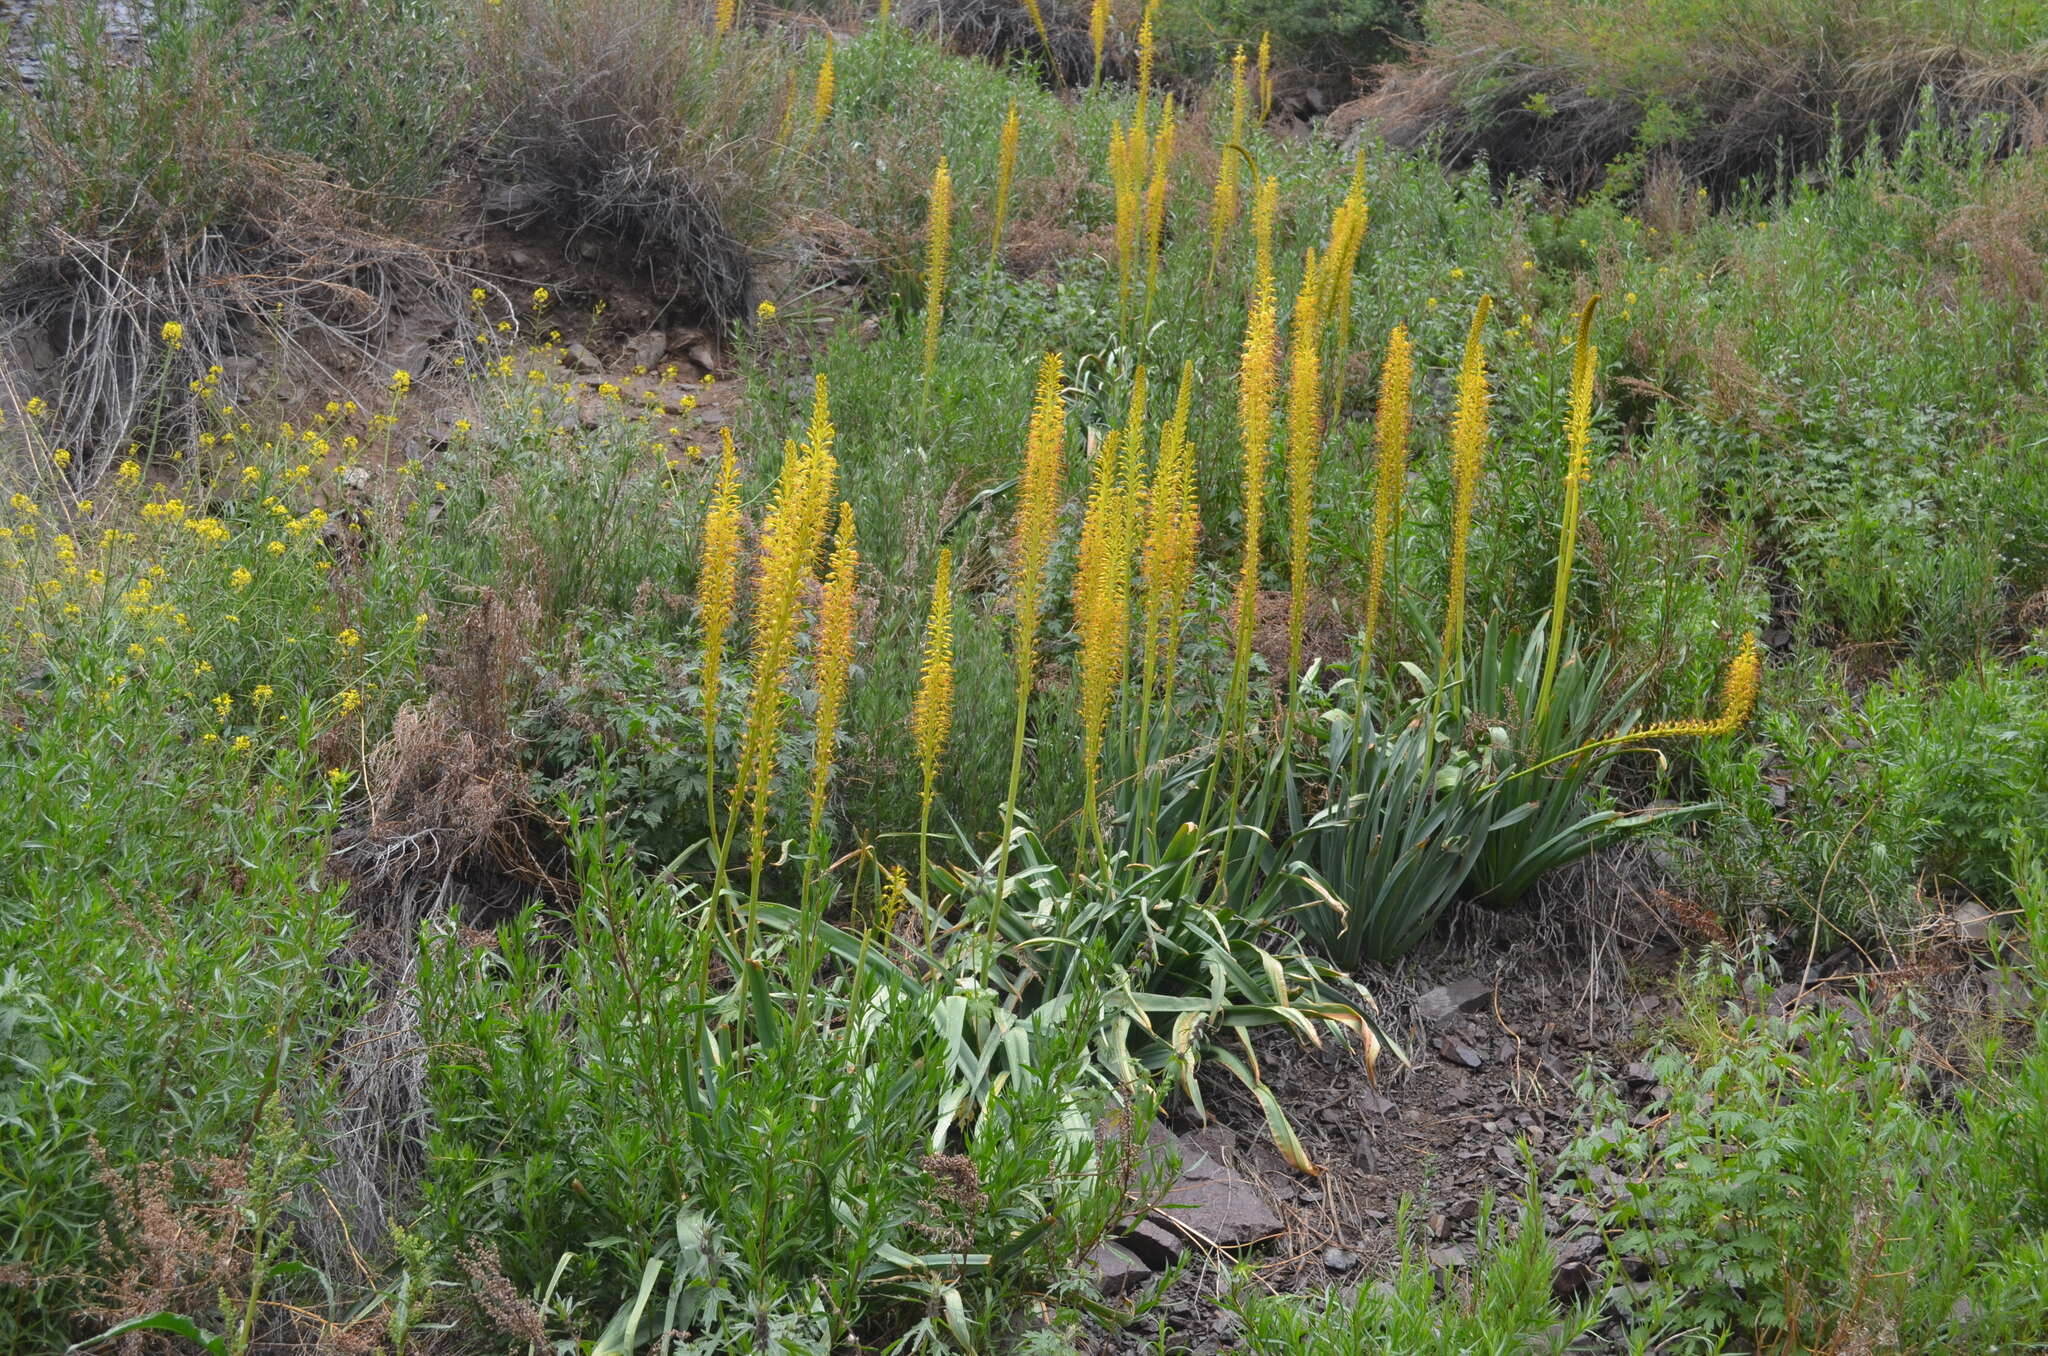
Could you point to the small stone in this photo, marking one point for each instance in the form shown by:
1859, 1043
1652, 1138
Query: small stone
647, 350
1440, 1226
1337, 1261
1447, 1259
1372, 1104
1448, 1000
1457, 1052
1468, 1208
582, 359
1153, 1245
1963, 1312
1640, 1075
1971, 921
1116, 1272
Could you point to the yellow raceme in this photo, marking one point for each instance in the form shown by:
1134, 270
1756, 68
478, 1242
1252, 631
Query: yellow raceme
938, 233
1468, 455
1304, 448
834, 657
1390, 477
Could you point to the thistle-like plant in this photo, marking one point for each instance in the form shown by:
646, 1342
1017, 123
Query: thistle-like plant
1006, 171
1468, 455
938, 234
931, 713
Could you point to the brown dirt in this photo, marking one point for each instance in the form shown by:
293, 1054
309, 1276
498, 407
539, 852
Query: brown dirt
1487, 1100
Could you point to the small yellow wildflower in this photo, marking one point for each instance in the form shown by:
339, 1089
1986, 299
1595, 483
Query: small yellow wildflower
174, 335
223, 704
349, 638
351, 701
766, 310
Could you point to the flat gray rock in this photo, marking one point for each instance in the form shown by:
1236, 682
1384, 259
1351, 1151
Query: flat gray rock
1446, 1001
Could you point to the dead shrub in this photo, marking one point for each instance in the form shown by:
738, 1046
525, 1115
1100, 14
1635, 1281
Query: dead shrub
1002, 30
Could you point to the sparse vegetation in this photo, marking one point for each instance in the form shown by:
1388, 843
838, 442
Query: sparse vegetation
665, 673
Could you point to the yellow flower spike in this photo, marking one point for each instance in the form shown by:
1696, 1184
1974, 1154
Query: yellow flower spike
1098, 33
1172, 530
1257, 381
821, 95
1739, 690
1304, 450
938, 236
1155, 202
931, 713
1147, 51
1223, 203
1126, 176
723, 16
1468, 453
1044, 38
835, 658
1265, 208
790, 535
1347, 235
1390, 477
1006, 171
1265, 76
718, 566
1037, 524
1578, 432
1102, 596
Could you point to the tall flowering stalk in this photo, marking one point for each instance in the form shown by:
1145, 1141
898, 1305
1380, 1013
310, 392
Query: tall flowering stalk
1044, 38
1171, 514
718, 582
1340, 262
834, 659
1468, 454
1223, 203
1146, 52
722, 17
931, 714
1257, 383
938, 235
1265, 208
821, 94
1127, 181
1102, 608
1098, 33
1006, 172
1390, 479
1155, 202
1265, 76
1304, 449
1038, 507
1578, 433
791, 534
